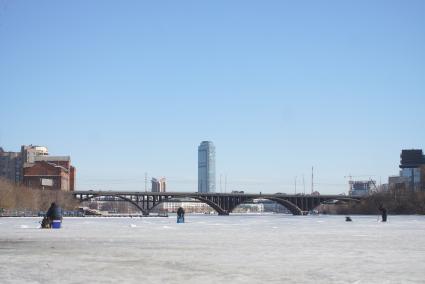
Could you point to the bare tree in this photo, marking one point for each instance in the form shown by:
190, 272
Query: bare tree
21, 197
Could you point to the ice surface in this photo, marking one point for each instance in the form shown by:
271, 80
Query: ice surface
215, 249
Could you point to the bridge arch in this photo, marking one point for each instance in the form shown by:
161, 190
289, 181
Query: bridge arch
213, 205
210, 203
144, 212
294, 209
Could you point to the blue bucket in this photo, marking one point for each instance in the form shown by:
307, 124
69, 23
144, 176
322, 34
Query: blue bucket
56, 224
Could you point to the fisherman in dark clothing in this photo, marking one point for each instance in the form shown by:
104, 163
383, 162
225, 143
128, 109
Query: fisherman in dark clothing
180, 215
383, 213
54, 213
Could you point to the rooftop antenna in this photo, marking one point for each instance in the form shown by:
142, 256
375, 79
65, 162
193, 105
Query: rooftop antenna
304, 184
295, 184
312, 178
221, 188
146, 181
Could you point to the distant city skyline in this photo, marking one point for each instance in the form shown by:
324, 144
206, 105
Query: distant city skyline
129, 88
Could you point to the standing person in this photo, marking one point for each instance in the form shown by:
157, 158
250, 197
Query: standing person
180, 215
383, 213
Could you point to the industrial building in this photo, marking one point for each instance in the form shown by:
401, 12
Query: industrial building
34, 167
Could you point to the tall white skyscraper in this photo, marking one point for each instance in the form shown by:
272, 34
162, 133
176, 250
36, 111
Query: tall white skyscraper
159, 185
206, 167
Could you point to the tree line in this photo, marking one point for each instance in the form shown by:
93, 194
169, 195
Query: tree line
19, 197
400, 201
395, 201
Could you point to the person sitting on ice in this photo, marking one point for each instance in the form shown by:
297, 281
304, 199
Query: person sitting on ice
54, 213
180, 215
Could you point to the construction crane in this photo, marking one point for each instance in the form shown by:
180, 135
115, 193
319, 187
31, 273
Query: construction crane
350, 177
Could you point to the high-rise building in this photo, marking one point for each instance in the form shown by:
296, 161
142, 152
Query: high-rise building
412, 172
163, 184
206, 167
29, 153
159, 185
412, 165
10, 166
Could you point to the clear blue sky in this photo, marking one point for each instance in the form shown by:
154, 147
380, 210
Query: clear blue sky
128, 87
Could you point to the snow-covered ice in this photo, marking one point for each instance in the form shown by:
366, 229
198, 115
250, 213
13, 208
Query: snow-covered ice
215, 249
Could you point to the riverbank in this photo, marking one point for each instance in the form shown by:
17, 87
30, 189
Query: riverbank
396, 203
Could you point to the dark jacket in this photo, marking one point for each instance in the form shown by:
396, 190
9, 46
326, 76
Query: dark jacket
383, 213
54, 212
180, 212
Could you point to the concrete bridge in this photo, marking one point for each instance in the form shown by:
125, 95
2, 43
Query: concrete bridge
223, 203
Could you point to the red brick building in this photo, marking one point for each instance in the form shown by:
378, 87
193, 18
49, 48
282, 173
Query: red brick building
49, 175
34, 167
72, 178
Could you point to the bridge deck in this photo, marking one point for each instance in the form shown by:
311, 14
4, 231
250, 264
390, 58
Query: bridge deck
186, 194
223, 203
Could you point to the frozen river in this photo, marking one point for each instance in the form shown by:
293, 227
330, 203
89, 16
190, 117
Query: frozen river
215, 249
